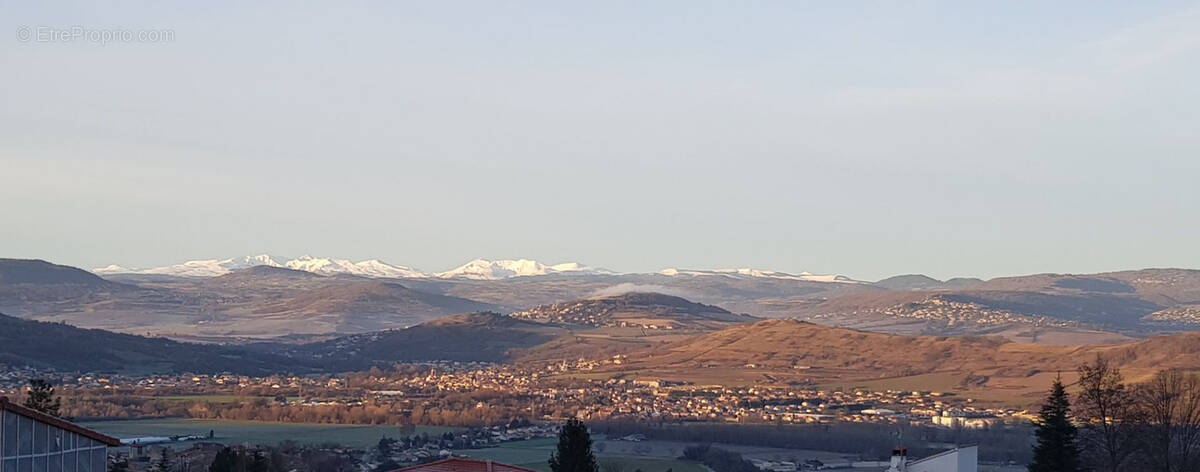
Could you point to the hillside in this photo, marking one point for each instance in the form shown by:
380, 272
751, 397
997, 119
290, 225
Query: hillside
258, 302
984, 367
67, 348
636, 309
1074, 309
263, 273
39, 272
788, 343
909, 282
265, 301
482, 337
24, 281
306, 303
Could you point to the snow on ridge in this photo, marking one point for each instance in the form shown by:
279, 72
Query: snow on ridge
478, 269
322, 266
483, 269
758, 273
198, 268
112, 269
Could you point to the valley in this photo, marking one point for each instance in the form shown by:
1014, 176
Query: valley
1000, 341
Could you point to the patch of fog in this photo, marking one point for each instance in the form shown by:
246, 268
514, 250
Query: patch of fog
628, 287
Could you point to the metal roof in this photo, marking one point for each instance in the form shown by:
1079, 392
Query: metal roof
6, 405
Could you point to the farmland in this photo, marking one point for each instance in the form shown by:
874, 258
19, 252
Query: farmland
258, 432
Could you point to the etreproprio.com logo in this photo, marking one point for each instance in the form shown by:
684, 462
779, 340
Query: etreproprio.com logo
83, 34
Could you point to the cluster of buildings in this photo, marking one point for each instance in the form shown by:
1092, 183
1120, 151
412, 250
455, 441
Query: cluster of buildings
1182, 314
418, 450
656, 400
952, 313
535, 391
31, 441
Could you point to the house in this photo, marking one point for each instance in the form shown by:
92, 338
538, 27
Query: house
959, 459
31, 441
458, 464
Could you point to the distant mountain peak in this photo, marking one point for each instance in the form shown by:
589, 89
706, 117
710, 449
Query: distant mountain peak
484, 269
196, 268
307, 263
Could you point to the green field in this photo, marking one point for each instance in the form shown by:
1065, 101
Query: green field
257, 432
534, 453
215, 398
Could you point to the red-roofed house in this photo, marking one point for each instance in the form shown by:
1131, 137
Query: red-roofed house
456, 464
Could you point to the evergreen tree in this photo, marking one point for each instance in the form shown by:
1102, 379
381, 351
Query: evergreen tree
383, 449
41, 397
1055, 450
258, 463
225, 461
164, 460
574, 452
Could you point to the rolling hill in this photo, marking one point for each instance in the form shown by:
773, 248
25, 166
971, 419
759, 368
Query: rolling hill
67, 348
983, 366
480, 337
258, 302
24, 281
39, 272
266, 301
636, 309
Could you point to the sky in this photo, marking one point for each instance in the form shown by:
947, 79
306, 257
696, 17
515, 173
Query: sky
861, 138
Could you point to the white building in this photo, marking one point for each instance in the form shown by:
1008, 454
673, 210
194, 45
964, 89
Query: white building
959, 459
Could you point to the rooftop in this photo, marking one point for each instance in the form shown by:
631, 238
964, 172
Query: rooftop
6, 405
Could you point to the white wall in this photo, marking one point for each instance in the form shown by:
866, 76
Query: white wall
964, 459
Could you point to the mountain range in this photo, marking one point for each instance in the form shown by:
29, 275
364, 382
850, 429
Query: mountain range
270, 300
252, 303
217, 267
1000, 340
744, 351
477, 269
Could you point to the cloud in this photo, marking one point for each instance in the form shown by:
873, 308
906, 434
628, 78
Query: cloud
628, 287
1161, 40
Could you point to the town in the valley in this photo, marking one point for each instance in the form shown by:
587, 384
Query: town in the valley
537, 402
539, 396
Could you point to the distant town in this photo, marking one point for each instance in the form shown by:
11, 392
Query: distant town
422, 393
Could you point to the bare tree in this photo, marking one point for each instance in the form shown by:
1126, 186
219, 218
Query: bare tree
1107, 410
1169, 410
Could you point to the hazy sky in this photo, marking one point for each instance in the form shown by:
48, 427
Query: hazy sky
861, 138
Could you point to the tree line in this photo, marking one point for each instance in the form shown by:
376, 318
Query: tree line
1111, 426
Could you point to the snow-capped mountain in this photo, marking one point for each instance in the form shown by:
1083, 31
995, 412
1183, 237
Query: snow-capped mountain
483, 269
200, 268
478, 269
758, 273
368, 268
323, 266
